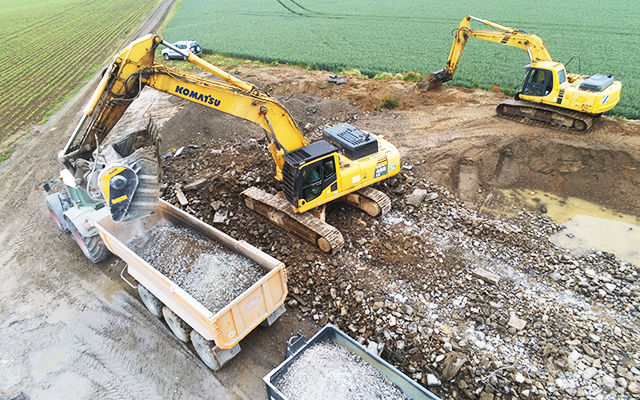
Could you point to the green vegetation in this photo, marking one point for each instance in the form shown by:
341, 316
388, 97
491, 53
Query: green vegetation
412, 76
387, 102
50, 48
377, 36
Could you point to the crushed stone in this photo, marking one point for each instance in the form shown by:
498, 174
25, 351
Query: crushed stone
327, 370
204, 268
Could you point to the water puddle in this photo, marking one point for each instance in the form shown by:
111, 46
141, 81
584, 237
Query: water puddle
588, 226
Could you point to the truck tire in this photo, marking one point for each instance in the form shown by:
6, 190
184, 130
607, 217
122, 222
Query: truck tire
56, 205
92, 247
150, 301
206, 350
211, 355
179, 328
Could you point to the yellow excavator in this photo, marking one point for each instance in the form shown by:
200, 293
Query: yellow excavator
549, 95
125, 179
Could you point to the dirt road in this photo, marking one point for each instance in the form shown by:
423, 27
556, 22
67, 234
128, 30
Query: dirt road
71, 329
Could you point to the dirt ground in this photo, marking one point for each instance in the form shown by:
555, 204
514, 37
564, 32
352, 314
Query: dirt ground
73, 329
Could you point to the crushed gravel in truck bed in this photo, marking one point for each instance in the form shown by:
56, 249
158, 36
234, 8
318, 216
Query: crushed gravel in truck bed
326, 370
205, 269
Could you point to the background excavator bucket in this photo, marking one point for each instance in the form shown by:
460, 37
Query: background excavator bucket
431, 81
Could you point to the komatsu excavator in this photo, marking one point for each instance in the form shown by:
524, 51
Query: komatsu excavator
114, 177
549, 95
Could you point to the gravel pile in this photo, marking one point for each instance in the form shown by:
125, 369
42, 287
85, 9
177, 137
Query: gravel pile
327, 370
468, 304
205, 269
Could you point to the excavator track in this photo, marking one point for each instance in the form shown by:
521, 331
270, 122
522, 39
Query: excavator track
305, 225
371, 201
544, 115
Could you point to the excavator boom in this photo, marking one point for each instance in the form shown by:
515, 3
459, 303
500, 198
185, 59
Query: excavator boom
528, 42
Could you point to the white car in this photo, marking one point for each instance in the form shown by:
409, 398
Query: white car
186, 45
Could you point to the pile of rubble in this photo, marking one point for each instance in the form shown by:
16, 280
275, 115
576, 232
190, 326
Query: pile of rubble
467, 304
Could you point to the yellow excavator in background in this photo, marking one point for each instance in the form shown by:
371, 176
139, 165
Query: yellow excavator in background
125, 179
549, 95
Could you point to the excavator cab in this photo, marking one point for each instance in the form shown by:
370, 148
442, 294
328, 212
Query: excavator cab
538, 82
309, 171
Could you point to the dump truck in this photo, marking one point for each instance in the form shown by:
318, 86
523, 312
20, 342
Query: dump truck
183, 295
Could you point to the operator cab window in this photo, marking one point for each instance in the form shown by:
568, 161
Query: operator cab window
329, 168
312, 182
539, 82
316, 177
562, 77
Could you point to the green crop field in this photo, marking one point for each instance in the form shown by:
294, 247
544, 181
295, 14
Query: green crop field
51, 47
398, 36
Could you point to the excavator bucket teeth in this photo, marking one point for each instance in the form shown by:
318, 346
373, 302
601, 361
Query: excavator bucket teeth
131, 186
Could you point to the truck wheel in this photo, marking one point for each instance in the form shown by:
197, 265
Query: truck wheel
179, 328
150, 301
93, 247
206, 350
56, 205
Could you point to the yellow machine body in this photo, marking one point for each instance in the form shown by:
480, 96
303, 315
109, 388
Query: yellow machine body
561, 90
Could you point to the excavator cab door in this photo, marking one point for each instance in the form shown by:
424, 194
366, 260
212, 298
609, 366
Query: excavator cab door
539, 82
318, 176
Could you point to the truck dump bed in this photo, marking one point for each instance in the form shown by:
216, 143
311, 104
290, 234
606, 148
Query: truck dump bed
162, 243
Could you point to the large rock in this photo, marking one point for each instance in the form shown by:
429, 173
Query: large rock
486, 276
452, 364
415, 198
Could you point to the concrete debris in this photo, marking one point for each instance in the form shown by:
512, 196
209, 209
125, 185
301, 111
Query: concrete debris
181, 197
416, 197
516, 322
337, 79
195, 185
432, 380
486, 276
220, 217
452, 364
431, 196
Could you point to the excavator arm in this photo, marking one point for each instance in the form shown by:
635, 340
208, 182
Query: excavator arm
133, 68
130, 183
529, 42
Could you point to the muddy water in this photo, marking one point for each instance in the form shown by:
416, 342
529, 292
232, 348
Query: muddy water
588, 226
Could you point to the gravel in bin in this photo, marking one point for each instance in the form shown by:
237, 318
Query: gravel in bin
326, 370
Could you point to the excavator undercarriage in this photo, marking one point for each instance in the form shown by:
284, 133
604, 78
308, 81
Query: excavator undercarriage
544, 115
311, 226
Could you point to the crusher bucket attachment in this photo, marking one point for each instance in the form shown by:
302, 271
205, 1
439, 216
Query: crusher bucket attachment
131, 186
